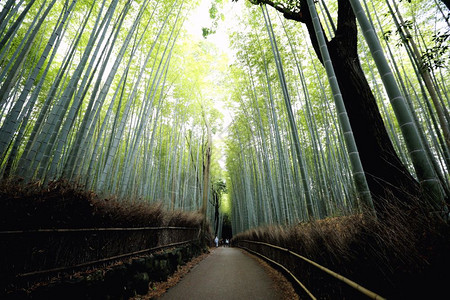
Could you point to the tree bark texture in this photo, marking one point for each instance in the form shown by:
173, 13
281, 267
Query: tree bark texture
387, 177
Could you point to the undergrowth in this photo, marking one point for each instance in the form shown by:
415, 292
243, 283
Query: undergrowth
64, 205
404, 255
61, 204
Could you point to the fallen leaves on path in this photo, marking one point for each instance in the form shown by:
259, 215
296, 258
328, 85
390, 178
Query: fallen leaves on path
157, 289
280, 283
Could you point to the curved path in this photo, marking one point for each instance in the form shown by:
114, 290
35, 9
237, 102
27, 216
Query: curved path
225, 274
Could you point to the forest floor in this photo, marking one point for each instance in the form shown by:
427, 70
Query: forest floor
224, 273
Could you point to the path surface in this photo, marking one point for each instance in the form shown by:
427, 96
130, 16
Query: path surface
225, 274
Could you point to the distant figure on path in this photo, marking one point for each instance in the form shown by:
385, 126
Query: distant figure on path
226, 243
216, 240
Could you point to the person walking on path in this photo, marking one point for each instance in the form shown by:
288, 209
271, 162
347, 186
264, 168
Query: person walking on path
216, 240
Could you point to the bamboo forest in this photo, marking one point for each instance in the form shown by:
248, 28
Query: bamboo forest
320, 127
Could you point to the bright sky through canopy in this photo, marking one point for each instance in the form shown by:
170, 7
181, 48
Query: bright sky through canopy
198, 19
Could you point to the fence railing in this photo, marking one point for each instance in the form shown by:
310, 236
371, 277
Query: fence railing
44, 252
64, 230
331, 273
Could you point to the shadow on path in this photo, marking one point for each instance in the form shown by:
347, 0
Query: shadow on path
225, 274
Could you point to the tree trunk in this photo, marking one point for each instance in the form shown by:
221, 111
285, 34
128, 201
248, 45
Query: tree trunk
385, 172
387, 177
447, 3
216, 214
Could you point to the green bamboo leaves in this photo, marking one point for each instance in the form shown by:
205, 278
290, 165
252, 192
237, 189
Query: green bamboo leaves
117, 95
93, 95
285, 161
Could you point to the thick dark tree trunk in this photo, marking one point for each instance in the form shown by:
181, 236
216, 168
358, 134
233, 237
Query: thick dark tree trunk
387, 177
447, 3
385, 173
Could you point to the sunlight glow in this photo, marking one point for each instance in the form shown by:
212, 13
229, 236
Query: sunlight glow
198, 19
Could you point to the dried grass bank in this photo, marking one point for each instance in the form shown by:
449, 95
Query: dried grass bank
61, 225
399, 257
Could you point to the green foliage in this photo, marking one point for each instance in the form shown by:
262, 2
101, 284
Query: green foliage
216, 17
143, 134
435, 56
143, 139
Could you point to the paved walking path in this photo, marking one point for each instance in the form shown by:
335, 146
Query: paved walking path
225, 274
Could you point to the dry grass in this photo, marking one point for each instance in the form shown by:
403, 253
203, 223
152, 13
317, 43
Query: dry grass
61, 204
402, 255
183, 219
